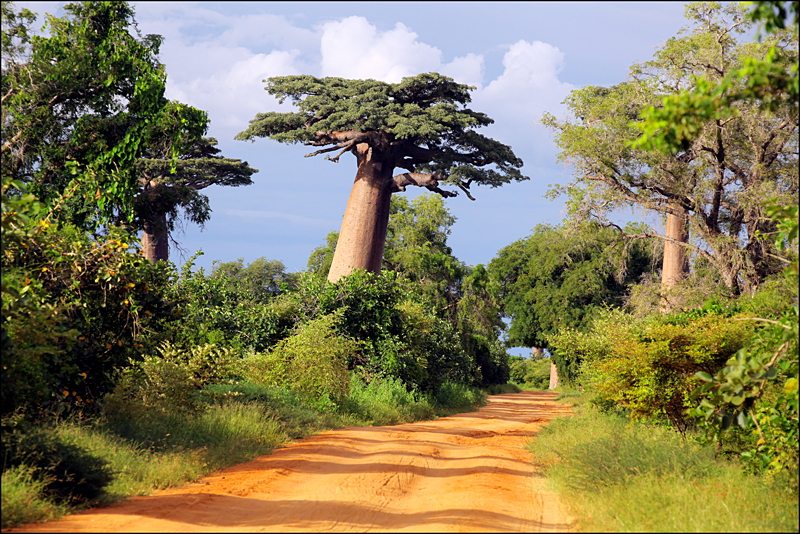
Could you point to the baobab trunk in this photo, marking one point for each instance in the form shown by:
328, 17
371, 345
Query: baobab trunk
676, 263
155, 245
366, 219
553, 375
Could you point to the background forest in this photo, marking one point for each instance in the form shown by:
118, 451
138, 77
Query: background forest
122, 374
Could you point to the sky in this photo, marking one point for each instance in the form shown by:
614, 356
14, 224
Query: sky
524, 58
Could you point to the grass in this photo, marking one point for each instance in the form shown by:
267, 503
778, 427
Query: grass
618, 476
151, 451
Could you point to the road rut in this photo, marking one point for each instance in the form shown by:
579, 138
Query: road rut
464, 473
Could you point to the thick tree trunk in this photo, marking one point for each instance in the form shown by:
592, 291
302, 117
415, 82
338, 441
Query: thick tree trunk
366, 219
676, 263
155, 243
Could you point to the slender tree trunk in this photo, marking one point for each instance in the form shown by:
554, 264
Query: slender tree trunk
553, 375
366, 219
155, 244
676, 263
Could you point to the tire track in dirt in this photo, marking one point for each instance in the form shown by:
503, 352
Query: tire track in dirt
464, 473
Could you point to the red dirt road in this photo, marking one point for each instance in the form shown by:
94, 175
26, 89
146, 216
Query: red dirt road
463, 473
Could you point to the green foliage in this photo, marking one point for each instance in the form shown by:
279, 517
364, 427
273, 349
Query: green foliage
169, 382
647, 366
449, 315
416, 248
386, 401
531, 373
616, 168
559, 277
235, 304
68, 474
260, 280
73, 311
426, 109
78, 108
313, 361
457, 395
770, 81
758, 387
23, 498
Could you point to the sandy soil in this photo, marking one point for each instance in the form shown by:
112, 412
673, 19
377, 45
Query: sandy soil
463, 473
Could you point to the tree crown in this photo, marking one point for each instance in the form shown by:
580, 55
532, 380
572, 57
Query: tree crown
421, 124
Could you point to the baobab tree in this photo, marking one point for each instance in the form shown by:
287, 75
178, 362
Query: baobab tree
421, 125
164, 188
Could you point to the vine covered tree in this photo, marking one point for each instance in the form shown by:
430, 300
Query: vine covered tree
421, 125
714, 185
79, 106
167, 186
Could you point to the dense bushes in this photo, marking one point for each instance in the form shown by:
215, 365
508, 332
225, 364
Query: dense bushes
313, 361
647, 366
74, 311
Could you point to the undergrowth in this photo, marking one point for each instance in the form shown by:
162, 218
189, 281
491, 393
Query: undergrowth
617, 475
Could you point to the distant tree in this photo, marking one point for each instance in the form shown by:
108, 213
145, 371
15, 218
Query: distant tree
419, 124
321, 258
559, 277
260, 280
166, 186
717, 179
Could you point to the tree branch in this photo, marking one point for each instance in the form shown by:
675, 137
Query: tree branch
428, 181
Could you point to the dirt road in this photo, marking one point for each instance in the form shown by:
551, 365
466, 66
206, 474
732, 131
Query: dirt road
463, 473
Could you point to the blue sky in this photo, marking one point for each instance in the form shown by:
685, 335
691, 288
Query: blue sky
524, 58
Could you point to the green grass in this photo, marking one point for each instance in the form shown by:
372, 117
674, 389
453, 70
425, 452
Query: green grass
150, 451
23, 500
621, 476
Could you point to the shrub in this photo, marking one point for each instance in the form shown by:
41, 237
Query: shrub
23, 500
386, 401
74, 310
647, 366
313, 361
169, 382
458, 395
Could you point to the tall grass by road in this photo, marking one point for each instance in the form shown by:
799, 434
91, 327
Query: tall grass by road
620, 476
72, 465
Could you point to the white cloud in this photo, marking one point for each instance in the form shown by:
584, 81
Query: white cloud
354, 48
222, 73
529, 84
467, 69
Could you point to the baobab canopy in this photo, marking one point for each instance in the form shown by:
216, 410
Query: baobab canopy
421, 125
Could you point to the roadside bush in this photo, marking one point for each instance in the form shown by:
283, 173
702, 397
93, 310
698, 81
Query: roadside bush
386, 401
169, 382
459, 395
312, 361
647, 366
236, 306
617, 475
22, 498
75, 310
